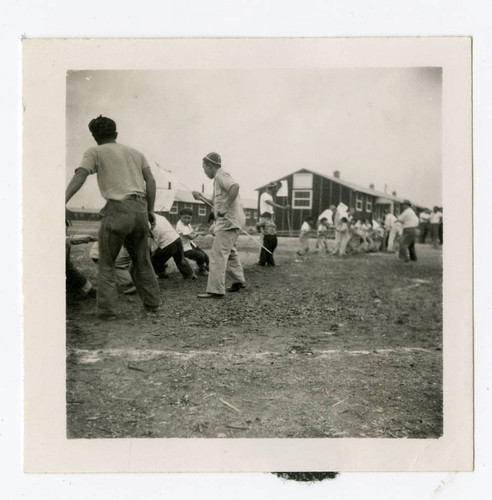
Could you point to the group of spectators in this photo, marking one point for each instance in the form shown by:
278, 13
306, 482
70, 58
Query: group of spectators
431, 224
388, 234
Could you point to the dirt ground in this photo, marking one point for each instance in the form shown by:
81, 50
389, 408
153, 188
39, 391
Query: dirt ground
321, 346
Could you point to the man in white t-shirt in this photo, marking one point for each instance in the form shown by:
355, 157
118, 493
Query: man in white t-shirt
266, 199
435, 221
409, 222
424, 225
126, 182
389, 220
165, 243
328, 214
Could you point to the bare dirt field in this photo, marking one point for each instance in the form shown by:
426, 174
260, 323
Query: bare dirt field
319, 347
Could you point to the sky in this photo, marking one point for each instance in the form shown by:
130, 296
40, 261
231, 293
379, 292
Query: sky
376, 126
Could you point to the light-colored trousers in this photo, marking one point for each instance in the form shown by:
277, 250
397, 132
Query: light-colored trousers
395, 231
304, 243
341, 241
224, 259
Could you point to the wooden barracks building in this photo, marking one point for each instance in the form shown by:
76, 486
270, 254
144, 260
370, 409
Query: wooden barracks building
310, 193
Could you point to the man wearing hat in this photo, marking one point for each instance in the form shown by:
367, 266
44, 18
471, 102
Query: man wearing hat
126, 182
229, 218
410, 222
266, 199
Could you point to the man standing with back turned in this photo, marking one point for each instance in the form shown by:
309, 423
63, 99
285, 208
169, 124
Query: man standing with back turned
229, 218
409, 222
126, 182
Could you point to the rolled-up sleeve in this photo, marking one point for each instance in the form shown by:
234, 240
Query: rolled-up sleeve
89, 161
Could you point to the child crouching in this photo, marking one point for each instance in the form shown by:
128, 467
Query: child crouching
191, 250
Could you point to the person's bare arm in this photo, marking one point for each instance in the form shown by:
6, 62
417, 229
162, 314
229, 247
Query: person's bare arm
276, 205
151, 190
75, 183
199, 196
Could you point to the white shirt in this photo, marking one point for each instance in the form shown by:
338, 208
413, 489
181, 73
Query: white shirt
164, 233
264, 206
328, 214
408, 218
389, 220
424, 217
119, 169
435, 217
305, 228
184, 230
223, 182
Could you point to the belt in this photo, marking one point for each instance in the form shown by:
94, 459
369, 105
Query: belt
134, 196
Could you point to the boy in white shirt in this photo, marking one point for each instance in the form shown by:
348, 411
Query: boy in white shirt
322, 236
304, 235
191, 250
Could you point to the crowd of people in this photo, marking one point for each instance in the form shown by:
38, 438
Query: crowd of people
388, 234
134, 243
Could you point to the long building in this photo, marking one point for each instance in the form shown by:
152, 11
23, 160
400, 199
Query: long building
310, 193
182, 199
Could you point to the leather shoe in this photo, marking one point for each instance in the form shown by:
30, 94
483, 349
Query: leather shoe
235, 287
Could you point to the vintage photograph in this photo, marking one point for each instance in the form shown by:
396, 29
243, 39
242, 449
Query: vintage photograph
254, 253
258, 275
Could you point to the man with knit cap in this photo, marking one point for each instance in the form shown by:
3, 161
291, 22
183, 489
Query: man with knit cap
126, 182
229, 218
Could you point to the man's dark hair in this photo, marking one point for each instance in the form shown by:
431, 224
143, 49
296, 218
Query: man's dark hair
102, 128
186, 211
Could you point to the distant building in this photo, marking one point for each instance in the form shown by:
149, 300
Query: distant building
310, 193
182, 199
201, 211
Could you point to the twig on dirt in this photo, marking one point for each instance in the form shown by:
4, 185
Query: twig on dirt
342, 401
155, 329
135, 368
208, 396
229, 405
236, 427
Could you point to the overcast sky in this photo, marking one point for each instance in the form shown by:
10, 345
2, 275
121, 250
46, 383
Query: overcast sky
379, 126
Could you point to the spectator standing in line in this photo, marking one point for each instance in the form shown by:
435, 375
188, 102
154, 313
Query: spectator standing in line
126, 182
424, 224
441, 227
435, 222
389, 220
409, 222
